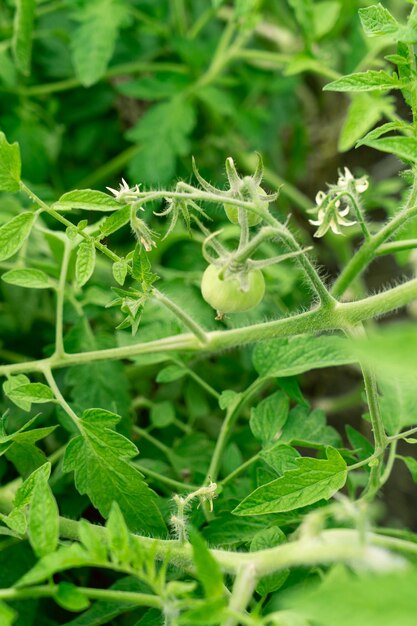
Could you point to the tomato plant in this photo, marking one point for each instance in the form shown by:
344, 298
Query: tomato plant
203, 419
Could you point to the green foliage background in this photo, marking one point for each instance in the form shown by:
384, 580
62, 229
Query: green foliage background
97, 90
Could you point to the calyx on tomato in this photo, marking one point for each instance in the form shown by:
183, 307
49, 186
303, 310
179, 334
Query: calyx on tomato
226, 295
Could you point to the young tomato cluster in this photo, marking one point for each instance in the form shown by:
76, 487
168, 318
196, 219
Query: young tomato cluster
233, 281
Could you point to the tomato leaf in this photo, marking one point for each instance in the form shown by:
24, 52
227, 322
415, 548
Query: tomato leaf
100, 459
313, 480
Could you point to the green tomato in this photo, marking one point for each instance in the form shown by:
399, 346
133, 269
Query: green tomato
232, 212
226, 296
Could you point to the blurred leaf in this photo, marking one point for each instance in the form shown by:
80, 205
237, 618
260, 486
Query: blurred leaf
380, 599
162, 414
398, 403
118, 536
9, 173
22, 34
170, 373
163, 134
363, 113
325, 15
7, 615
288, 356
207, 568
264, 539
94, 40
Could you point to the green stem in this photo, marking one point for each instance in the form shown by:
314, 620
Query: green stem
371, 391
117, 70
357, 209
330, 546
60, 298
227, 427
108, 595
316, 320
239, 470
311, 273
186, 319
397, 246
390, 463
60, 398
243, 588
67, 223
200, 381
180, 16
374, 412
155, 442
403, 435
170, 482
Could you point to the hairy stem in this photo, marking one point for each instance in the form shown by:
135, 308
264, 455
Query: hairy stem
182, 315
243, 588
60, 297
227, 428
330, 546
316, 320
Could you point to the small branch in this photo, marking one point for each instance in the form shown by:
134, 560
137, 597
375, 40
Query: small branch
60, 298
390, 463
60, 398
116, 70
227, 428
243, 589
47, 591
397, 246
239, 470
404, 434
330, 546
195, 328
170, 482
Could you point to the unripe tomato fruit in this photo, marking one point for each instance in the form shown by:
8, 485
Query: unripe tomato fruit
232, 212
226, 296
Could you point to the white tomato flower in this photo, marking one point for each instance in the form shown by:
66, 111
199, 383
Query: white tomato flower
332, 207
331, 216
124, 192
346, 179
